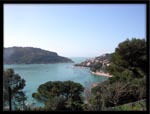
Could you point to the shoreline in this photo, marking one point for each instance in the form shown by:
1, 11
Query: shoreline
101, 74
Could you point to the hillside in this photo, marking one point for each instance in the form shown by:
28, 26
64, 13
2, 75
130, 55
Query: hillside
30, 55
98, 63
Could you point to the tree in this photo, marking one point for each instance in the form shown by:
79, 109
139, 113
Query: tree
128, 84
96, 67
12, 89
59, 95
130, 55
109, 94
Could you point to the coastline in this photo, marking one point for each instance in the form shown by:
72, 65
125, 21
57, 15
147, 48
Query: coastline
101, 74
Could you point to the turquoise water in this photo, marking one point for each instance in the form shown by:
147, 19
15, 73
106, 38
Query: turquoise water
37, 74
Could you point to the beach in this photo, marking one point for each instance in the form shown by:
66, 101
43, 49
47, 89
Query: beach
101, 74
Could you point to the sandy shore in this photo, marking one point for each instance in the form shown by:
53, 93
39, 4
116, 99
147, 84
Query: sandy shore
101, 74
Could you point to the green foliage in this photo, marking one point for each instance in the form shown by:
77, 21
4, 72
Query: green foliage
128, 84
109, 94
96, 67
130, 55
16, 83
124, 76
59, 95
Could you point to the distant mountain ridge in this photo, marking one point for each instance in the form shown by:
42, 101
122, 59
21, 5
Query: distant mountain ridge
31, 55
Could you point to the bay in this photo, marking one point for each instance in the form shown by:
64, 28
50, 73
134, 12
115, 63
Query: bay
37, 74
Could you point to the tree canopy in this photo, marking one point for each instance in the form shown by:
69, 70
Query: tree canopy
130, 56
12, 89
59, 95
128, 84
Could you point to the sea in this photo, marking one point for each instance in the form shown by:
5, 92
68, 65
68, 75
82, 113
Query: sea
37, 74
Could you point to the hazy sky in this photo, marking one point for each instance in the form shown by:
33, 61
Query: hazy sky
73, 30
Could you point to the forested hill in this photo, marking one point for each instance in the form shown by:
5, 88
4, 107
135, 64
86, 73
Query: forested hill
30, 55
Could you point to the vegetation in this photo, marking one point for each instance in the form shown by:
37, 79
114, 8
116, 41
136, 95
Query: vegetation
130, 56
126, 90
113, 94
134, 106
59, 95
128, 84
12, 90
30, 55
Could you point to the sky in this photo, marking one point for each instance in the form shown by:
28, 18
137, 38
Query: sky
73, 30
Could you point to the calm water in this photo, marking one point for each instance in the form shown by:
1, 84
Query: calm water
37, 74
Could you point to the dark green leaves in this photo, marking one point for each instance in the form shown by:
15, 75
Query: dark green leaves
131, 55
67, 93
16, 83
